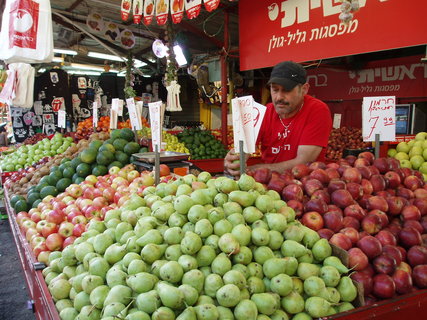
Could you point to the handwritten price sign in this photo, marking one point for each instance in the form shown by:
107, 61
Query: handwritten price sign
95, 114
379, 117
247, 119
135, 119
156, 124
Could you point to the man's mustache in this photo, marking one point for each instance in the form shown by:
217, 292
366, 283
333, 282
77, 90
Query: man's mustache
281, 102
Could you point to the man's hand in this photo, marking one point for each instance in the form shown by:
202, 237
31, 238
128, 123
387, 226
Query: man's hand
231, 163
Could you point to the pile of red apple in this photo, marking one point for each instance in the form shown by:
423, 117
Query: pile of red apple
344, 138
58, 221
371, 208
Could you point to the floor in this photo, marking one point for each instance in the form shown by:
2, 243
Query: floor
13, 291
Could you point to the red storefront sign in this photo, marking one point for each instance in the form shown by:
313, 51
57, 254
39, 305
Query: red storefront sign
302, 30
401, 77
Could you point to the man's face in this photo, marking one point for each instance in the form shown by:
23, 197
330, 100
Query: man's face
287, 103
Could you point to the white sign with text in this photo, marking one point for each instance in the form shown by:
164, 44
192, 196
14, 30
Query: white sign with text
379, 117
95, 114
62, 119
156, 124
134, 117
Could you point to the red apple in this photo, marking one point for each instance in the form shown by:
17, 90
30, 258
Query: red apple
100, 202
370, 246
321, 194
411, 212
365, 280
355, 190
361, 163
394, 252
371, 224
352, 175
355, 211
297, 206
405, 193
341, 240
420, 193
413, 183
313, 220
421, 204
48, 229
68, 241
405, 267
393, 179
351, 233
276, 184
409, 237
55, 216
386, 238
36, 216
66, 229
54, 242
367, 155
317, 165
311, 185
342, 198
325, 233
300, 170
384, 264
419, 276
262, 175
384, 286
369, 271
317, 205
382, 165
403, 281
39, 248
333, 221
382, 215
414, 224
292, 192
395, 205
336, 185
332, 173
357, 260
378, 183
417, 255
351, 222
376, 202
78, 229
30, 233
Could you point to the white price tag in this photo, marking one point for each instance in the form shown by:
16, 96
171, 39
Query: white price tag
134, 117
258, 114
337, 120
156, 124
95, 114
62, 119
379, 117
243, 123
113, 119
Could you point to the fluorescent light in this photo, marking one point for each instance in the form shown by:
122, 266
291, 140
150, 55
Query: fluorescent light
104, 56
179, 55
138, 63
86, 67
41, 70
65, 51
58, 59
85, 73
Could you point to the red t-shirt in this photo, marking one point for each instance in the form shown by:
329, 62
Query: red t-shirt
310, 126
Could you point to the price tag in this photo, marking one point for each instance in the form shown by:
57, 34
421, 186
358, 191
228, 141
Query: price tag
379, 117
113, 119
95, 114
258, 114
243, 123
135, 119
156, 124
337, 120
117, 105
62, 119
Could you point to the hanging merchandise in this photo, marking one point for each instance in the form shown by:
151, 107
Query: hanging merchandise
177, 10
22, 95
95, 23
111, 31
192, 8
138, 6
173, 103
125, 9
8, 87
162, 11
148, 11
26, 32
211, 5
159, 49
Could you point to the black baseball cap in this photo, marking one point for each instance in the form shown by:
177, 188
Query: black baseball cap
288, 74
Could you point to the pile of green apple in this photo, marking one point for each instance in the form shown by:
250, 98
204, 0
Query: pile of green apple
199, 248
27, 155
412, 154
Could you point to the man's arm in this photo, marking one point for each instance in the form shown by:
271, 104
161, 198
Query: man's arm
304, 154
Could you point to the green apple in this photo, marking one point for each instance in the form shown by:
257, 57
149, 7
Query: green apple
415, 151
425, 177
391, 152
423, 168
411, 143
425, 154
405, 164
402, 147
424, 144
418, 143
421, 136
416, 161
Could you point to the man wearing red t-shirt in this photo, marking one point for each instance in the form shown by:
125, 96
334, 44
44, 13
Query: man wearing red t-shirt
296, 126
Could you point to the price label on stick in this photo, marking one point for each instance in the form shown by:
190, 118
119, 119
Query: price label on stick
117, 105
379, 117
113, 119
135, 120
62, 119
243, 123
156, 124
95, 114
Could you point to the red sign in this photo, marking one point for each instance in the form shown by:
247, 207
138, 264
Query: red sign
303, 30
400, 77
23, 24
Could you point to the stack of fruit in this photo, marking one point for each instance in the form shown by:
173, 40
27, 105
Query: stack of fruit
370, 207
344, 138
85, 127
27, 155
173, 144
35, 138
179, 255
202, 144
95, 160
412, 154
230, 140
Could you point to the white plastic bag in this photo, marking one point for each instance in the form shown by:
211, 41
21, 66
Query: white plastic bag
24, 90
26, 32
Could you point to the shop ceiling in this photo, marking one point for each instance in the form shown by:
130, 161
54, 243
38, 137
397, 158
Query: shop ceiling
201, 35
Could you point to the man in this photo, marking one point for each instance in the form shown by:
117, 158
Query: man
296, 126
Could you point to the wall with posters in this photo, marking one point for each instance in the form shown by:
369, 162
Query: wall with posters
343, 90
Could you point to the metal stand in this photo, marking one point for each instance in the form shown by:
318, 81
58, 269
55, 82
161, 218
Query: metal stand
157, 165
377, 145
242, 158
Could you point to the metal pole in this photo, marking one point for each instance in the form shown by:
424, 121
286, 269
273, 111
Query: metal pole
224, 77
242, 158
377, 145
157, 165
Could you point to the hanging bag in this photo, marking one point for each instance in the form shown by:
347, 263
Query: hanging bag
26, 32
